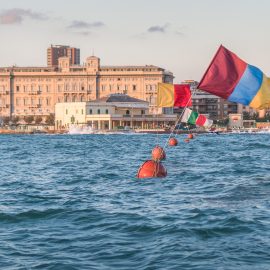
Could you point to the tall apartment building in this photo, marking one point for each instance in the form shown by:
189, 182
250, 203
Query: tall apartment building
215, 107
56, 51
35, 90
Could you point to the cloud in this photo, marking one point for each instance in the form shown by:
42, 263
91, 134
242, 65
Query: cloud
179, 33
158, 29
166, 29
85, 25
84, 33
17, 15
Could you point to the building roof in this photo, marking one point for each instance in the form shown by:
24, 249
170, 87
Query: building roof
118, 98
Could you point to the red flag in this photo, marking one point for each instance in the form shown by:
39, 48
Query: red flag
223, 74
182, 95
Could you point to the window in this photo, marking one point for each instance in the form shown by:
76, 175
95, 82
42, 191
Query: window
90, 111
107, 111
98, 111
66, 111
72, 119
82, 111
127, 112
142, 111
17, 88
133, 87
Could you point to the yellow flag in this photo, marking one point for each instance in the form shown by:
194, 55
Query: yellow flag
165, 95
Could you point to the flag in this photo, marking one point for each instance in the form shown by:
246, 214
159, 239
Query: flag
195, 118
233, 79
173, 95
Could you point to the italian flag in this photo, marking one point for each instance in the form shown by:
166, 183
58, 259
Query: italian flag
195, 118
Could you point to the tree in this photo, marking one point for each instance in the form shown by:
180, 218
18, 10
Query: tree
15, 119
29, 119
255, 116
50, 119
223, 122
6, 120
267, 116
246, 116
38, 120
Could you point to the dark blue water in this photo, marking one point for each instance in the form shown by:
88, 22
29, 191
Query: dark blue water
73, 202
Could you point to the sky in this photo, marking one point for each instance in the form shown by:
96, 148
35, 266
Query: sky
181, 36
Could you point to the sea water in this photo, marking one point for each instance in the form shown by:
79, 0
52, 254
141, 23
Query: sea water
73, 202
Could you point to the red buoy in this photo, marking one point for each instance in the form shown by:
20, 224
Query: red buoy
150, 169
173, 142
186, 140
190, 136
158, 153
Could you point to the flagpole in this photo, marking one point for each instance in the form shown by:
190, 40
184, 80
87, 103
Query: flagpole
180, 118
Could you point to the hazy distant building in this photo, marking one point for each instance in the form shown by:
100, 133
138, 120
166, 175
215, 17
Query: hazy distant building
206, 103
56, 51
35, 90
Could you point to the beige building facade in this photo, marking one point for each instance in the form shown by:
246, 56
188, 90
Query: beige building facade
35, 90
109, 113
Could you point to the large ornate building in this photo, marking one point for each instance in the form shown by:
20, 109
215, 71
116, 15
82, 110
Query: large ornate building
35, 90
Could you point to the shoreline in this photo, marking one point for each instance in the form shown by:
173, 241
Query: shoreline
142, 131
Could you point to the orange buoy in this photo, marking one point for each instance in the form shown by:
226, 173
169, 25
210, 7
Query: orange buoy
186, 140
173, 142
151, 169
190, 136
158, 153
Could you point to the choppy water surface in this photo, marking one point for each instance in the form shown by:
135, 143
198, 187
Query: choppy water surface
73, 202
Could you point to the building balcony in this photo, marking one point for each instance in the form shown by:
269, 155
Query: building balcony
4, 92
38, 92
34, 106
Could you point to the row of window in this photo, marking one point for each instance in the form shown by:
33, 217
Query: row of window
26, 101
129, 69
80, 79
34, 110
118, 87
106, 111
76, 87
77, 111
98, 111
